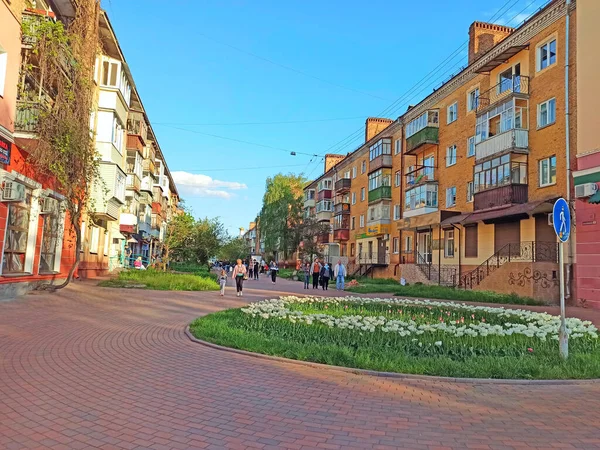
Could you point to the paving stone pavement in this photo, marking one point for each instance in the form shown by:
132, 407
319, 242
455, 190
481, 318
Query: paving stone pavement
105, 368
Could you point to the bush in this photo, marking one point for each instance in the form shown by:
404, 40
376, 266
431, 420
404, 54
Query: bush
162, 281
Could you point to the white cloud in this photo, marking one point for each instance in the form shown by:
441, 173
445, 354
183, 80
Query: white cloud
197, 185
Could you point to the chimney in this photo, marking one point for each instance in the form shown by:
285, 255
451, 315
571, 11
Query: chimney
483, 36
375, 125
331, 160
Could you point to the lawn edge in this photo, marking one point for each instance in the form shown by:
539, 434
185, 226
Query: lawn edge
395, 375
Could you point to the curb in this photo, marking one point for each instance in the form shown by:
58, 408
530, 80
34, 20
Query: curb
394, 375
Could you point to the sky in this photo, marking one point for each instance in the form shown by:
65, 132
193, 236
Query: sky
232, 87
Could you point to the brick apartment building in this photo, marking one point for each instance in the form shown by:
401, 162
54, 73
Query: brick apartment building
458, 189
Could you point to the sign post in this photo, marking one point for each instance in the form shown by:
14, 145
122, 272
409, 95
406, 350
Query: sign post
561, 220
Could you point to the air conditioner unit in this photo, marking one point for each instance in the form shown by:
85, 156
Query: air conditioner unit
13, 192
49, 206
585, 190
386, 237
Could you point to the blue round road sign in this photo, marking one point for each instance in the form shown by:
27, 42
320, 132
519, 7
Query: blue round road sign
561, 219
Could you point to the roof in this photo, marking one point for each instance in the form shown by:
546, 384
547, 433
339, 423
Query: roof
501, 58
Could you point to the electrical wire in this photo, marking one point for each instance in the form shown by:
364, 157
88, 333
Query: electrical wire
282, 122
234, 169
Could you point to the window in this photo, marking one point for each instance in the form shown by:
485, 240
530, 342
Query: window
469, 191
396, 245
347, 175
363, 167
50, 241
546, 113
83, 237
17, 235
113, 77
3, 69
380, 178
423, 196
408, 244
352, 249
452, 112
546, 55
427, 119
396, 212
548, 171
397, 147
309, 194
105, 242
361, 221
381, 147
397, 178
499, 119
362, 194
451, 196
451, 156
354, 172
471, 146
500, 171
352, 223
324, 185
354, 198
472, 99
449, 243
117, 135
94, 240
120, 186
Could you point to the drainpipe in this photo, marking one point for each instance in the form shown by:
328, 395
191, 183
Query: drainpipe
568, 141
439, 254
459, 251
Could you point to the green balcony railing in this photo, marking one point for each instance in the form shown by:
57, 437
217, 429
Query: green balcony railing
428, 135
380, 193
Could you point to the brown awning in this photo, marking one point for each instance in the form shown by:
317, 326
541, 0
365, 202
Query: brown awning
425, 220
501, 58
514, 212
455, 219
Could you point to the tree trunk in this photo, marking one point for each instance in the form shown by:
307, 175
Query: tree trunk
74, 224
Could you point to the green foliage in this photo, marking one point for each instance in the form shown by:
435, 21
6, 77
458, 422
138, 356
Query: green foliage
478, 357
233, 249
161, 281
375, 286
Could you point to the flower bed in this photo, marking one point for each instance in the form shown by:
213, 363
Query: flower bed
410, 336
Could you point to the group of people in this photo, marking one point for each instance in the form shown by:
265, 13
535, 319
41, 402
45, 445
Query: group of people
322, 273
244, 270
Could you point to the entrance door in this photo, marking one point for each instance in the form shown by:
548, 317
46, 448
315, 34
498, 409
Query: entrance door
507, 233
381, 251
424, 247
546, 248
370, 250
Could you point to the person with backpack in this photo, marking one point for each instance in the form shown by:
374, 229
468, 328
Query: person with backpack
325, 275
315, 271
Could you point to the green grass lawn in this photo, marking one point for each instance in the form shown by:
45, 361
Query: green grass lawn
379, 286
162, 281
510, 357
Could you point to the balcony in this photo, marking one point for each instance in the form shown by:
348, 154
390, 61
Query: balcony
500, 196
149, 166
147, 184
421, 174
157, 209
323, 238
135, 142
133, 182
28, 112
379, 162
422, 199
323, 216
380, 193
517, 86
512, 140
342, 234
426, 136
341, 208
342, 186
325, 194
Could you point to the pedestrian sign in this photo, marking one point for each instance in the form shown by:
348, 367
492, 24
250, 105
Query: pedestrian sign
561, 219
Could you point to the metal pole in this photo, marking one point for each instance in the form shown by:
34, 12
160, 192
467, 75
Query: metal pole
563, 337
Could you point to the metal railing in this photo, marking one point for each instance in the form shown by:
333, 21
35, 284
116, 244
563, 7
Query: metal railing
373, 258
511, 139
518, 84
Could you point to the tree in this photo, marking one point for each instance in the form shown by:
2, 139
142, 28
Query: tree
209, 236
235, 248
64, 150
179, 243
281, 213
306, 235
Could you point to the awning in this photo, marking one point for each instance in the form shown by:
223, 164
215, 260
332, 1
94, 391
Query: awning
510, 213
425, 220
501, 58
595, 198
455, 219
131, 241
118, 235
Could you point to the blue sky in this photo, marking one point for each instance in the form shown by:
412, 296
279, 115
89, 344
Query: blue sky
231, 68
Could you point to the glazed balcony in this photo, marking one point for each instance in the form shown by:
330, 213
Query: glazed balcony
325, 194
380, 162
133, 182
503, 195
135, 142
309, 198
380, 193
149, 166
427, 136
341, 234
323, 216
343, 185
341, 208
517, 86
511, 140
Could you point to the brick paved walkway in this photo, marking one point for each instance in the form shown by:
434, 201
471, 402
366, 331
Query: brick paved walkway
105, 368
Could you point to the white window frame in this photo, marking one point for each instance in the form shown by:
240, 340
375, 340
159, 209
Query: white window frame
472, 103
354, 198
471, 145
396, 245
549, 182
538, 54
452, 113
550, 113
397, 147
362, 194
396, 212
362, 221
408, 243
397, 178
450, 192
106, 241
354, 172
451, 155
449, 236
95, 240
470, 193
3, 69
363, 167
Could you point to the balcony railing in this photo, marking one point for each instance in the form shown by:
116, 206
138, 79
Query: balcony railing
374, 258
518, 84
382, 192
149, 166
133, 182
322, 216
500, 196
341, 208
28, 113
428, 135
509, 140
343, 185
379, 162
325, 194
135, 142
421, 174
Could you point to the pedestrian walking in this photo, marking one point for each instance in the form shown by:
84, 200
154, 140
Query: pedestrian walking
274, 270
251, 270
223, 281
306, 270
315, 271
239, 273
256, 270
325, 275
339, 272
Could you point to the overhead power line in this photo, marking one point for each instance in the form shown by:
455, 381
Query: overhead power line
234, 169
280, 122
